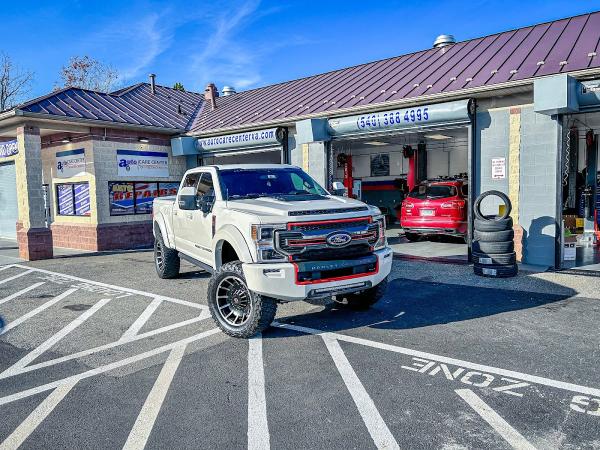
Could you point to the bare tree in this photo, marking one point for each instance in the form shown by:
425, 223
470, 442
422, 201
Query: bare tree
88, 73
15, 82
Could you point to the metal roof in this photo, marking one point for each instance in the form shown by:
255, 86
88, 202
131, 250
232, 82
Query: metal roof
562, 46
134, 105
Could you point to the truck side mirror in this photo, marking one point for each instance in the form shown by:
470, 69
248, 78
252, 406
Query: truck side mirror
186, 199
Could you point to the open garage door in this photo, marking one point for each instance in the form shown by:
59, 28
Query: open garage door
8, 201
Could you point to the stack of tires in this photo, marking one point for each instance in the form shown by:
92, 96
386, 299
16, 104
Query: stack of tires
493, 247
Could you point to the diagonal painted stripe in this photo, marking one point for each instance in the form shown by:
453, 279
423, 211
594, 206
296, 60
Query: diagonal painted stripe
380, 433
91, 351
6, 267
444, 359
145, 421
38, 415
36, 311
258, 426
508, 433
50, 342
136, 326
14, 277
106, 368
21, 292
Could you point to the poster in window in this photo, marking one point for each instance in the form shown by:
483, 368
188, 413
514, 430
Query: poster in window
167, 189
64, 193
144, 196
81, 192
121, 198
380, 165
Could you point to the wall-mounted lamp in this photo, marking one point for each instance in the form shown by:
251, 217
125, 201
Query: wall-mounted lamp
143, 140
65, 140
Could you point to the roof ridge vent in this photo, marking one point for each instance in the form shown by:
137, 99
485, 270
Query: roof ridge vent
444, 40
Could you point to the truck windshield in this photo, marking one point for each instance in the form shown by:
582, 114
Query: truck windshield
253, 183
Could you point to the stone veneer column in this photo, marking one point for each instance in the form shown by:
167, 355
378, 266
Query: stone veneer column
514, 176
34, 239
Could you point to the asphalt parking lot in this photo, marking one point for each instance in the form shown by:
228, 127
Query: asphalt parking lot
97, 352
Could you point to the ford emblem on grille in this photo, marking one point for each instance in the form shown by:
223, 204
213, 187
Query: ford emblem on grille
339, 239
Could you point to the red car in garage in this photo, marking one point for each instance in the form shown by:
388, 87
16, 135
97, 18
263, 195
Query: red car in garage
435, 207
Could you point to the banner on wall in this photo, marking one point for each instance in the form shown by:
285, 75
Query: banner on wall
133, 163
82, 199
8, 148
121, 198
70, 163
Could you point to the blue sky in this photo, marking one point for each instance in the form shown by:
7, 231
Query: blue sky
246, 43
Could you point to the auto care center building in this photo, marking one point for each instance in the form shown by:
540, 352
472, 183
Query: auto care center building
517, 111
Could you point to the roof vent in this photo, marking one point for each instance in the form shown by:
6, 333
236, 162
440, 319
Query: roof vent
443, 40
228, 90
152, 83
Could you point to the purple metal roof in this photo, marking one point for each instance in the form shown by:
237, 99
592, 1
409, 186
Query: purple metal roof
562, 46
134, 105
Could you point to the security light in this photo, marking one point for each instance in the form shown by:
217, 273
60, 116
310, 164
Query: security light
144, 140
65, 140
438, 137
375, 143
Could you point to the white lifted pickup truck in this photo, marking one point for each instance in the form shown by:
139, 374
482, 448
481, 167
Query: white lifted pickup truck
270, 234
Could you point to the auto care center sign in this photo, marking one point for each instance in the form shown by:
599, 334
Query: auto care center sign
134, 163
70, 163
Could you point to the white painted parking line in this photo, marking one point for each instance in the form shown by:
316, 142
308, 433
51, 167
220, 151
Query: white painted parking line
106, 368
5, 267
50, 342
136, 326
14, 277
21, 292
594, 392
28, 426
144, 423
380, 433
258, 425
36, 311
508, 433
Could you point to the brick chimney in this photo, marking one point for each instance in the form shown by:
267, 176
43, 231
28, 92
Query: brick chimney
211, 94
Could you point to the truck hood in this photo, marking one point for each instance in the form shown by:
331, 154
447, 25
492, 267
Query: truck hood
280, 209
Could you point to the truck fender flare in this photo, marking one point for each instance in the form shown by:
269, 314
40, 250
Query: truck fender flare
159, 225
233, 236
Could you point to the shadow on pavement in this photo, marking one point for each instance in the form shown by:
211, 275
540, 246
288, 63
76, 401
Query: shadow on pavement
414, 304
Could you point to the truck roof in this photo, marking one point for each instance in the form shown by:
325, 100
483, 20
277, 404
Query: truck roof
251, 166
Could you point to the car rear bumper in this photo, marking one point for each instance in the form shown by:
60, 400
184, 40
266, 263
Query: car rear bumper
435, 225
281, 280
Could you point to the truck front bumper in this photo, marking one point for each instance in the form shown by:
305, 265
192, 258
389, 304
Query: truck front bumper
284, 281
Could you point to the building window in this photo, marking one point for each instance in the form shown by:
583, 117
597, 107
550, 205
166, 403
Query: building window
128, 197
73, 199
380, 165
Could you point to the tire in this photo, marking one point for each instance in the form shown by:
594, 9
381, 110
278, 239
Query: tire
503, 197
497, 258
166, 260
495, 271
494, 236
493, 223
256, 311
367, 298
493, 247
412, 237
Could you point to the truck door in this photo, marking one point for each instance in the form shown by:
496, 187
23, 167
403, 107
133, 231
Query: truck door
182, 219
201, 235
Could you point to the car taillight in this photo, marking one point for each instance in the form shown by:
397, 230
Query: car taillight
408, 205
454, 204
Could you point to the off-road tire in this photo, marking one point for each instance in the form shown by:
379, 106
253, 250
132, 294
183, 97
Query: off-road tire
495, 258
169, 268
367, 298
413, 237
496, 271
503, 197
263, 308
493, 247
493, 223
494, 236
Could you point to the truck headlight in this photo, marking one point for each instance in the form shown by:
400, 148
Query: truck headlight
381, 241
263, 237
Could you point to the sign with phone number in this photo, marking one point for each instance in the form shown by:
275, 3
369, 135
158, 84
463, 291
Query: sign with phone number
378, 120
455, 112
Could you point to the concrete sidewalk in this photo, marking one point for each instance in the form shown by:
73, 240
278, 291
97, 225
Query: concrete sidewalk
9, 252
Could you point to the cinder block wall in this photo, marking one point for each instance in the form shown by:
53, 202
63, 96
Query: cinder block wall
539, 187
